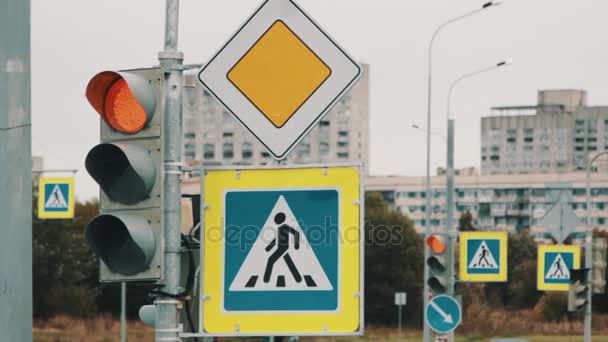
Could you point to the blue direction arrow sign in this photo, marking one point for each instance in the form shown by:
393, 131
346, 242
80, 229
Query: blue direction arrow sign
443, 314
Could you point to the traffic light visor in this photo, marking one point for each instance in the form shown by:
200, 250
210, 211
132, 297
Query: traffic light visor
436, 244
125, 243
126, 173
125, 101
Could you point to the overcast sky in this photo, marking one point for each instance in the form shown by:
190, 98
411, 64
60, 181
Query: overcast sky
553, 44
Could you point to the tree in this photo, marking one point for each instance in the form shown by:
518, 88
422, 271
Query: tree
465, 223
393, 263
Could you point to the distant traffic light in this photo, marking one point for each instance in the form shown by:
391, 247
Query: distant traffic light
577, 291
598, 268
127, 235
437, 262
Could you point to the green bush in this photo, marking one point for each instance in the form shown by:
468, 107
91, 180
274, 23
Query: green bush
553, 306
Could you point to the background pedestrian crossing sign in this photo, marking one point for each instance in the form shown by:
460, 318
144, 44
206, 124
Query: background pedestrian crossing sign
554, 266
56, 198
483, 256
282, 252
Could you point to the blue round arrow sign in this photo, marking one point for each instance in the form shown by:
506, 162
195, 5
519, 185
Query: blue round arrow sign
443, 314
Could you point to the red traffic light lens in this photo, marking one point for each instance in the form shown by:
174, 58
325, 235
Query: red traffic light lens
122, 110
436, 244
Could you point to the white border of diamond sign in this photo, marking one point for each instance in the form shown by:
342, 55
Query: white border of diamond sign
344, 74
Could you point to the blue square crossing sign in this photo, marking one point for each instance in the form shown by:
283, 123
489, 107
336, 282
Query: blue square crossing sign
282, 251
554, 266
56, 198
483, 256
301, 275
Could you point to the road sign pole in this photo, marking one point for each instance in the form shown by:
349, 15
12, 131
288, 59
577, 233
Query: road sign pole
167, 323
450, 211
16, 176
400, 308
123, 312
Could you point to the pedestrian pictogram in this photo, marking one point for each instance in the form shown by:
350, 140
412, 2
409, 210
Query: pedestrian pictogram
558, 269
554, 266
483, 256
279, 75
282, 251
291, 263
56, 198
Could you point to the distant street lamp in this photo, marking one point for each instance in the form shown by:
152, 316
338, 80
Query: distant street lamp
426, 329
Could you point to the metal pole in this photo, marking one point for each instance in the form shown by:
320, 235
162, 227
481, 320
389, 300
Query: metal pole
167, 321
123, 312
589, 251
15, 174
426, 334
400, 307
450, 212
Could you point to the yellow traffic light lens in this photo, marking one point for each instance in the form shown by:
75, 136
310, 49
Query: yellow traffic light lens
122, 110
436, 244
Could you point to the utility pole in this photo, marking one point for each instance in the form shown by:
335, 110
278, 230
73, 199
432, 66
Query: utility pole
450, 212
15, 172
167, 323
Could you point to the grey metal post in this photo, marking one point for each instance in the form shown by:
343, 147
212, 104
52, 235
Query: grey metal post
400, 309
426, 335
16, 172
588, 250
449, 203
167, 320
123, 312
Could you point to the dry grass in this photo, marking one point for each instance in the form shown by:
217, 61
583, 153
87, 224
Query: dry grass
100, 329
503, 324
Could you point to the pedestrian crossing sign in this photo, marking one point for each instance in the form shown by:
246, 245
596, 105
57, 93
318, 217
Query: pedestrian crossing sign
282, 252
554, 266
56, 198
483, 256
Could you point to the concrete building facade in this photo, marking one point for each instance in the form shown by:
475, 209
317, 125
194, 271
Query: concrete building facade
497, 202
212, 136
555, 136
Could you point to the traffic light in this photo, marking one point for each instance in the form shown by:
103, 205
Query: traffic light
577, 291
437, 262
127, 235
598, 268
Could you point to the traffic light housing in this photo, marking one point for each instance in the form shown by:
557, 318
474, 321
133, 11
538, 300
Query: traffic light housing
127, 236
577, 290
598, 268
438, 264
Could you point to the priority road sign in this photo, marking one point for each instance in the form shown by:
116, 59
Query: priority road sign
483, 256
56, 198
443, 314
282, 252
554, 265
279, 74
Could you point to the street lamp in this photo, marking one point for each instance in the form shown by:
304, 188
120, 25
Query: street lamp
426, 330
450, 167
588, 247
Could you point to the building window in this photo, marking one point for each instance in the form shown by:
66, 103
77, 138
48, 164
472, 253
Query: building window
511, 139
190, 135
265, 154
324, 148
580, 122
343, 133
411, 194
528, 148
529, 131
494, 158
528, 139
342, 154
189, 147
228, 134
189, 155
512, 131
228, 151
247, 150
343, 144
208, 151
324, 123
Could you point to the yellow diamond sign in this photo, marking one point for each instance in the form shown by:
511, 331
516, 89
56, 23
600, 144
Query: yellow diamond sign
279, 74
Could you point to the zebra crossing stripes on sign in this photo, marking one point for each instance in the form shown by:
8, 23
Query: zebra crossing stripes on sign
483, 256
554, 266
56, 198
